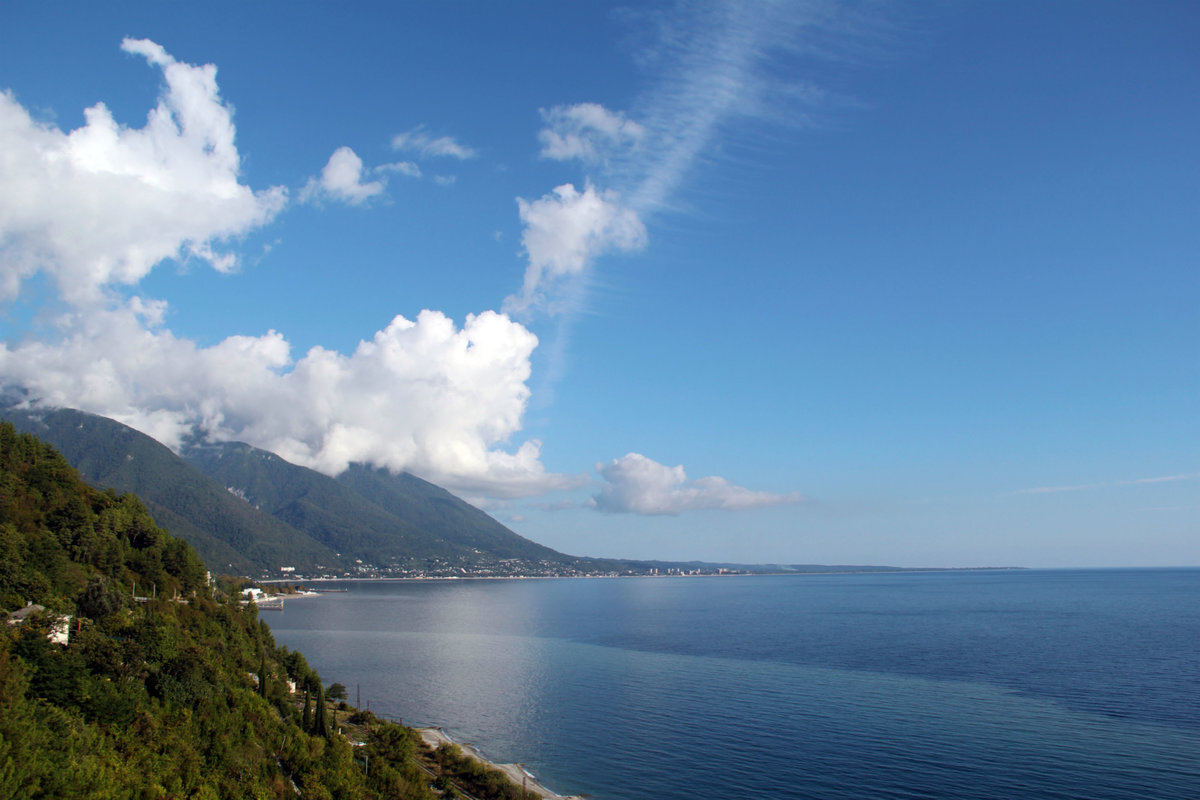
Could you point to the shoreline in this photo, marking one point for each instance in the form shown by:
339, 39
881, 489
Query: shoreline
796, 573
435, 736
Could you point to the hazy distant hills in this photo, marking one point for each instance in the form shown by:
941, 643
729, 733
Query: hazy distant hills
249, 511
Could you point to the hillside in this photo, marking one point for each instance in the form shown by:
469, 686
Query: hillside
229, 533
179, 692
432, 508
313, 503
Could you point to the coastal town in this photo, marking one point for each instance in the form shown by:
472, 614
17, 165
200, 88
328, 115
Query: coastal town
444, 569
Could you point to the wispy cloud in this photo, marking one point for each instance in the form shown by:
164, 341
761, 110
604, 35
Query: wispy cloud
587, 131
712, 64
725, 63
420, 140
407, 168
1082, 487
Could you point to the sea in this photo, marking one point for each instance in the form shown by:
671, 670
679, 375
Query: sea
960, 684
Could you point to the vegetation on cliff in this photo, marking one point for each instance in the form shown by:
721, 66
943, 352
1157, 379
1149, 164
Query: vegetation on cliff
167, 687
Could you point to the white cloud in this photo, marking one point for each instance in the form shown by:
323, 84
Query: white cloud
104, 203
639, 485
421, 395
587, 131
715, 64
403, 167
418, 140
564, 231
712, 64
342, 180
1129, 482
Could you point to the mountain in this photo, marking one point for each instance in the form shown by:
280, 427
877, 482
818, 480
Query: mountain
365, 514
432, 508
229, 533
248, 511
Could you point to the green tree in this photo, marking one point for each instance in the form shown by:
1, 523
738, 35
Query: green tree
262, 675
320, 720
99, 598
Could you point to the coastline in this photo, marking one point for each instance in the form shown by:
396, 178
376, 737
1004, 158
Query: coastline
434, 736
301, 580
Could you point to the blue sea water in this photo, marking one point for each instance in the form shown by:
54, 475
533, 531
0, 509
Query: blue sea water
990, 684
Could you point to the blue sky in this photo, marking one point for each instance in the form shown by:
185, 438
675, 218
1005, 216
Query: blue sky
805, 282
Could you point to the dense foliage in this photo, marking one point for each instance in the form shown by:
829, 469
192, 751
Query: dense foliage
168, 687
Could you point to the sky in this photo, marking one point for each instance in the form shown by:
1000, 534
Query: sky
760, 282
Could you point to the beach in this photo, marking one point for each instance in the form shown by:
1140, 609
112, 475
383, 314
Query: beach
515, 772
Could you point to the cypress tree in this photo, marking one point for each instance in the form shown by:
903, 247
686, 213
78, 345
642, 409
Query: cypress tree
320, 724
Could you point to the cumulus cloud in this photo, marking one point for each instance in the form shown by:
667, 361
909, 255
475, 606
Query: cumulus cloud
419, 140
587, 131
105, 203
102, 205
424, 395
639, 485
564, 231
342, 180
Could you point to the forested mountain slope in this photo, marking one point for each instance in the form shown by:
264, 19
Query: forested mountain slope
249, 511
231, 534
365, 513
324, 509
165, 687
149, 699
431, 508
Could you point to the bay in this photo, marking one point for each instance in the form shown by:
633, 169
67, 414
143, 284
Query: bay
988, 684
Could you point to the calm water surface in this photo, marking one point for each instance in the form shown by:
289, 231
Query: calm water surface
1032, 684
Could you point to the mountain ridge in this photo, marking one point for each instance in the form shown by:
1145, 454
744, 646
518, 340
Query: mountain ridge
250, 511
